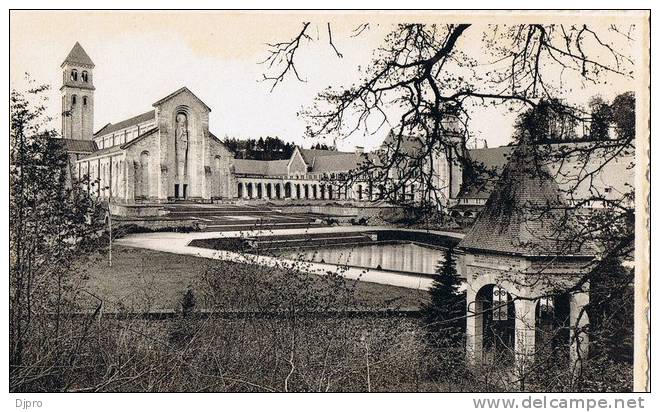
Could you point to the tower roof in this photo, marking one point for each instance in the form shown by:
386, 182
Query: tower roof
78, 55
527, 214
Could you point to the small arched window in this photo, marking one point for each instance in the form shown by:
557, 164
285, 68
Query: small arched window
74, 75
74, 99
84, 76
84, 100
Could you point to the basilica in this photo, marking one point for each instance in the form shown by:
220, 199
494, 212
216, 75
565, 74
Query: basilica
168, 153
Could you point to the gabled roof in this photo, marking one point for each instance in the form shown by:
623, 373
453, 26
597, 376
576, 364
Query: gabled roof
309, 154
133, 121
177, 92
78, 55
526, 215
78, 146
342, 162
322, 161
407, 145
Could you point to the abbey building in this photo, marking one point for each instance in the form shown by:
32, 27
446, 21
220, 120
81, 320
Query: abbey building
168, 153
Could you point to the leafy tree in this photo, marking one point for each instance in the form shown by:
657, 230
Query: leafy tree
601, 119
623, 115
548, 121
52, 224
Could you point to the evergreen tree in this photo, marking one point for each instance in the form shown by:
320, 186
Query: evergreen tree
611, 310
188, 302
444, 314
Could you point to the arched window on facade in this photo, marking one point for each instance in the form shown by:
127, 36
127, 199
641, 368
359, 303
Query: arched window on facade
85, 76
74, 100
74, 75
84, 100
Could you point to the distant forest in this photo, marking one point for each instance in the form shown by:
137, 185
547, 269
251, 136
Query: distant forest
270, 148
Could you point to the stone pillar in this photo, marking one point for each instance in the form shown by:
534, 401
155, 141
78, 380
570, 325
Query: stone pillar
579, 338
474, 328
129, 179
525, 333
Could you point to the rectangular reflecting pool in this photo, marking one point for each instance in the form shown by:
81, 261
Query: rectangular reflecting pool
392, 256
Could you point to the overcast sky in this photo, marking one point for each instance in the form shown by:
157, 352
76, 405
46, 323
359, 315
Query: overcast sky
141, 57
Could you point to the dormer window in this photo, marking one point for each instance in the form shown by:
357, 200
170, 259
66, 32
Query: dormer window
74, 75
84, 76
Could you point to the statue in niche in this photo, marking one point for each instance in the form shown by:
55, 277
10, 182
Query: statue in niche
181, 143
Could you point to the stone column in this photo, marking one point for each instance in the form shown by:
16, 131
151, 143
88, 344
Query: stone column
525, 333
474, 328
129, 179
579, 338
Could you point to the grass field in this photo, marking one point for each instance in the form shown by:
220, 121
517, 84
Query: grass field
151, 280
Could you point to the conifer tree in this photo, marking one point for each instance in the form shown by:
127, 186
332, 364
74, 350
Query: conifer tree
444, 315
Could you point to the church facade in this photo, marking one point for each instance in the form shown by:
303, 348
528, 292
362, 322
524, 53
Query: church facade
165, 153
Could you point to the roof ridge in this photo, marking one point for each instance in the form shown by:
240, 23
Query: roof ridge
522, 214
180, 90
127, 122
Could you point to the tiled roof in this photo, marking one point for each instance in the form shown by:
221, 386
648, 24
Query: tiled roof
322, 161
78, 146
260, 167
406, 145
133, 121
140, 137
103, 152
309, 154
78, 55
526, 215
492, 158
341, 162
119, 148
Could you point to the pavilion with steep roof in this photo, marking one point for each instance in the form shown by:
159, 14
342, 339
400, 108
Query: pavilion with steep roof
525, 261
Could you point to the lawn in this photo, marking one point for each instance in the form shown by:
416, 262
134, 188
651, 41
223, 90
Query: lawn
144, 279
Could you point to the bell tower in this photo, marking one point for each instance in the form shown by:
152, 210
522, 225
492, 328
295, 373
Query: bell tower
77, 95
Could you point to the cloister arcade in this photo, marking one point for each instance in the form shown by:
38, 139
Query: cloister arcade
250, 188
307, 189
